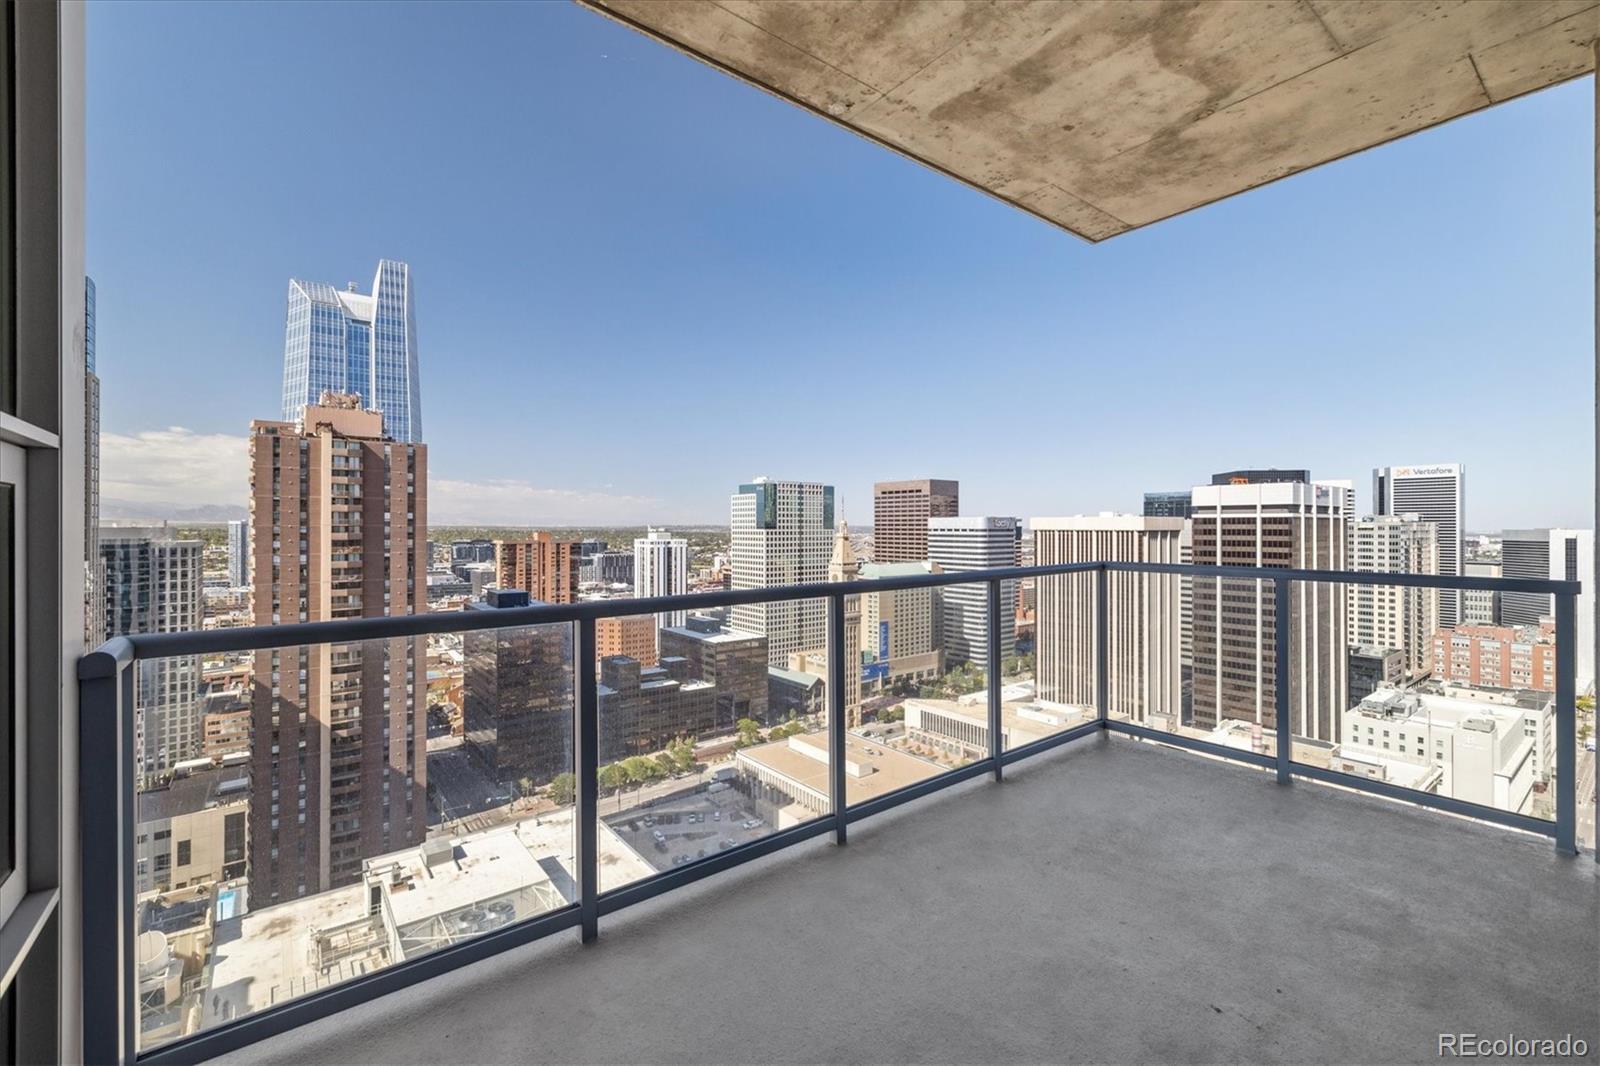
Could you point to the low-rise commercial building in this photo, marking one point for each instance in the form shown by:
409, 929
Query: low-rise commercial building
732, 660
1471, 750
193, 829
1497, 656
633, 635
1372, 668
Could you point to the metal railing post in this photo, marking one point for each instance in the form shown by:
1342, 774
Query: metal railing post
586, 754
996, 736
106, 814
1566, 723
1281, 591
836, 712
1102, 644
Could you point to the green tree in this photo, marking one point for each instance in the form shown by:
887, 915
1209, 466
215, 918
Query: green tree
612, 776
681, 752
640, 770
749, 731
563, 789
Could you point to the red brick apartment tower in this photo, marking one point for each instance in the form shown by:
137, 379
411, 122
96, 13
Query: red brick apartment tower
543, 567
338, 516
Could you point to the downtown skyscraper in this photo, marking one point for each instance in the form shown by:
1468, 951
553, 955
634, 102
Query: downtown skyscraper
661, 568
347, 342
781, 533
900, 513
1390, 616
1286, 524
152, 585
974, 543
1143, 615
338, 516
1436, 493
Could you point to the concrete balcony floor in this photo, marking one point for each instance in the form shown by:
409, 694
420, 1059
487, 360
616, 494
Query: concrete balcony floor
1109, 902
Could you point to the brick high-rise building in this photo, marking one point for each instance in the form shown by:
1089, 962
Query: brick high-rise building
1497, 656
633, 635
1281, 524
900, 513
338, 516
545, 568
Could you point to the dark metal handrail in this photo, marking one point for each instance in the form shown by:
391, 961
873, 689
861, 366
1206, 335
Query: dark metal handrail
108, 802
349, 630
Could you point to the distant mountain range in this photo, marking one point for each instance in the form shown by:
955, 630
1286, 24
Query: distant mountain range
129, 511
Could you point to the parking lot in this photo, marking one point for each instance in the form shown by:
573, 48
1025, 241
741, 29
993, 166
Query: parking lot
684, 826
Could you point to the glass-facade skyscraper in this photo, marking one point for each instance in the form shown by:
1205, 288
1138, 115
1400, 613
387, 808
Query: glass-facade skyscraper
346, 341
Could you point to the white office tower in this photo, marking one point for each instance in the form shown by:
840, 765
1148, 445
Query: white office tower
1289, 525
1437, 492
781, 533
1346, 488
1388, 616
239, 553
984, 543
1143, 615
661, 568
1551, 554
153, 586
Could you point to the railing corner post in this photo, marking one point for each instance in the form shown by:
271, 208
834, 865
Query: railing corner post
106, 795
1566, 723
837, 725
586, 733
1102, 645
995, 681
1281, 595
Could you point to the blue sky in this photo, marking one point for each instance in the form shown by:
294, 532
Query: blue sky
640, 283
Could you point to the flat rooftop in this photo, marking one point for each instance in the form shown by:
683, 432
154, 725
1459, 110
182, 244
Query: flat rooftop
480, 867
872, 769
1111, 901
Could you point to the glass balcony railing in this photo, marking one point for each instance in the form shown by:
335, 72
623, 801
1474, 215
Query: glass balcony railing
380, 800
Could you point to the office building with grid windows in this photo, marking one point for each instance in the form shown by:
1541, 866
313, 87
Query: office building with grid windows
358, 344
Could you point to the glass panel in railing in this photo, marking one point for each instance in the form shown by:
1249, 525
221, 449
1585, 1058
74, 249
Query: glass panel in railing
1465, 711
1048, 681
712, 732
313, 814
924, 676
1225, 681
1149, 664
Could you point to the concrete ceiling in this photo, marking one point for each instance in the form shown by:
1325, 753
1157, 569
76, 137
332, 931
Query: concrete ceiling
1105, 115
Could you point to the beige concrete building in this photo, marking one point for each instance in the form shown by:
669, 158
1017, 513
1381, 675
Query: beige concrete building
1387, 616
192, 830
1143, 614
339, 518
898, 633
900, 513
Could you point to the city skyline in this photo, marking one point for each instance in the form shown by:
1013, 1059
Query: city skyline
509, 301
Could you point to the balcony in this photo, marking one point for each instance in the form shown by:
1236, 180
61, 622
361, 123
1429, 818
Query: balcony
1110, 901
1112, 860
